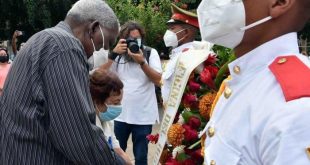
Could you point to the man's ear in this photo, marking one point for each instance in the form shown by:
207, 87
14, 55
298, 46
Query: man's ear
92, 28
280, 7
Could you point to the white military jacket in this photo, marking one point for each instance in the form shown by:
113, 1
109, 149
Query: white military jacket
168, 73
252, 123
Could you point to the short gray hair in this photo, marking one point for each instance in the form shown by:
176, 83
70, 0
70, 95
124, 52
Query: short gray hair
91, 10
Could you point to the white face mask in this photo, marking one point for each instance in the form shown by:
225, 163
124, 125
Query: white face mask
139, 40
222, 22
99, 57
171, 39
91, 59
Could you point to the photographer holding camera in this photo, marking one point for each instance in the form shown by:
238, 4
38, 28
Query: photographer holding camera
139, 68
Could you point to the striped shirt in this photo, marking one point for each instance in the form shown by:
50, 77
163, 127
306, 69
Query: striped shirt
47, 115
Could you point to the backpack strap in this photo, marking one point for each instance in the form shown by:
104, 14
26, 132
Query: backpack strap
147, 53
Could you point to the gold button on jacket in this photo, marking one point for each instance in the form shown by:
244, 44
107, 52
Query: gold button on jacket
227, 92
211, 131
212, 162
237, 69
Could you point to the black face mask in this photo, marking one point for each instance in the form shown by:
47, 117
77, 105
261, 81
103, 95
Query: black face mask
4, 59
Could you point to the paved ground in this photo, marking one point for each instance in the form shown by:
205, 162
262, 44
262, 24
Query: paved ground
151, 146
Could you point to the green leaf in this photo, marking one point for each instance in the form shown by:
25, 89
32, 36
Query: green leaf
182, 157
186, 115
222, 73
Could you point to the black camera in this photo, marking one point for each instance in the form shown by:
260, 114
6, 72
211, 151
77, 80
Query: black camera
132, 44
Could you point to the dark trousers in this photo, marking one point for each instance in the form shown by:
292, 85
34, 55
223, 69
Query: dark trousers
140, 143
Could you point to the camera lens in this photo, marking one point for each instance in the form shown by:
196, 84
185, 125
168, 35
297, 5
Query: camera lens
132, 44
133, 47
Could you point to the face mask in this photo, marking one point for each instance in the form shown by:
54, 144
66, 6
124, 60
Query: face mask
171, 39
219, 25
4, 59
100, 57
139, 40
91, 59
112, 112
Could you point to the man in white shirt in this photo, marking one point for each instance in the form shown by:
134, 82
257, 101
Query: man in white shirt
262, 116
181, 33
139, 72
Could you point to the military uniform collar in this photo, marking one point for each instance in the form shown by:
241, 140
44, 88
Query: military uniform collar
179, 49
263, 55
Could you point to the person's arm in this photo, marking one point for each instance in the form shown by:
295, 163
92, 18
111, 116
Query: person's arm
71, 112
286, 138
115, 144
122, 154
120, 48
14, 47
150, 72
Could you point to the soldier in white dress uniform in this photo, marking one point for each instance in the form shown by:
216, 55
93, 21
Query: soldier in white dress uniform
181, 33
262, 117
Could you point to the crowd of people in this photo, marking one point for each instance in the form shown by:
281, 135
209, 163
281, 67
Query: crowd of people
71, 97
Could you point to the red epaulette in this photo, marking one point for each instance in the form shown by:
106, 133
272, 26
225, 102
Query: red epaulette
185, 49
293, 76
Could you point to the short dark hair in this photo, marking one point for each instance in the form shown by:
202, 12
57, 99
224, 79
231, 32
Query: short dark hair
130, 26
102, 83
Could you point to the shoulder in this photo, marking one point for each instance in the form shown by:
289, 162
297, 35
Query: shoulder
293, 75
152, 51
55, 39
63, 38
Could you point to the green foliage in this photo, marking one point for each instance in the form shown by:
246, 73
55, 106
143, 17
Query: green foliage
225, 56
305, 33
187, 4
30, 16
38, 14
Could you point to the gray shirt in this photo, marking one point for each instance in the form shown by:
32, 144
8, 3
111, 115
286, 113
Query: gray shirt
47, 115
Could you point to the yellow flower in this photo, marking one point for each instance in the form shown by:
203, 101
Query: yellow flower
205, 104
175, 134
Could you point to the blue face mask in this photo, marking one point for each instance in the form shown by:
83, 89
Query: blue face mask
113, 111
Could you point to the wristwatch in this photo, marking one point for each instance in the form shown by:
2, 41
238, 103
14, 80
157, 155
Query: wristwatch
142, 63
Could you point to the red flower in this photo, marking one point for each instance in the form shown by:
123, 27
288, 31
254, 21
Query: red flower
213, 70
172, 161
153, 138
189, 162
194, 122
193, 86
189, 134
195, 155
210, 60
190, 100
208, 74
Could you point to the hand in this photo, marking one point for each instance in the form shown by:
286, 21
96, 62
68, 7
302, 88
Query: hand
121, 47
17, 33
138, 57
121, 153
